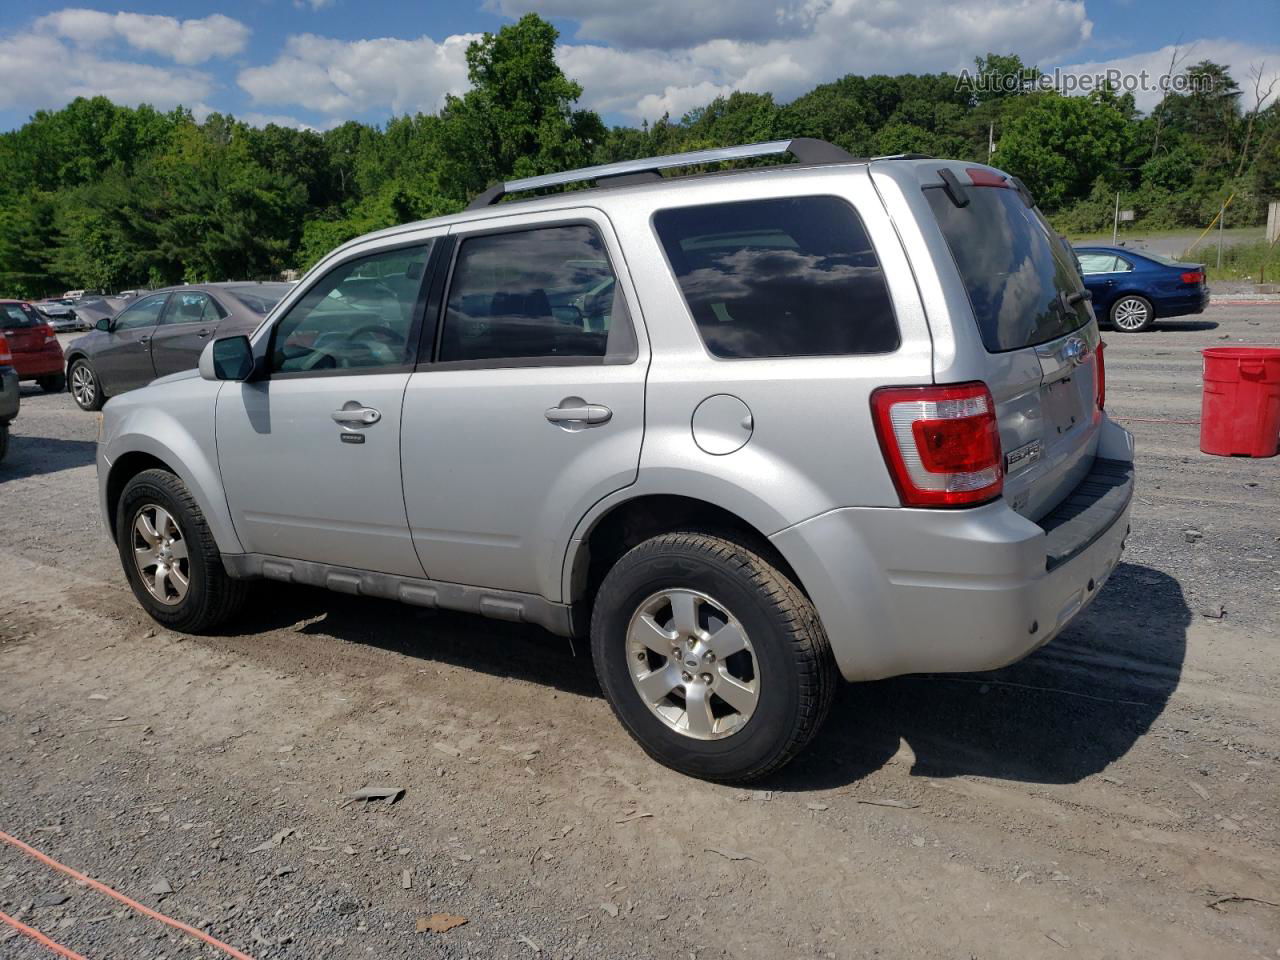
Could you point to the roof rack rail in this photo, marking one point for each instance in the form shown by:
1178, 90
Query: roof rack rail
804, 149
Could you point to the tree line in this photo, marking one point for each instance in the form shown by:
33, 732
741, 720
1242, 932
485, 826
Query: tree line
107, 197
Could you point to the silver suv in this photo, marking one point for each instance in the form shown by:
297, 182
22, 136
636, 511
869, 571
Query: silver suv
746, 430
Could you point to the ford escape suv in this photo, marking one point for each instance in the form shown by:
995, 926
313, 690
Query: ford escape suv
748, 430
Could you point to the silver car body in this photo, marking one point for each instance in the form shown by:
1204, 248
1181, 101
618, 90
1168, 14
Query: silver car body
465, 496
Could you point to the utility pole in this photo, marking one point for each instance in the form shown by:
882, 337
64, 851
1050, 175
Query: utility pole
991, 141
1222, 219
1115, 223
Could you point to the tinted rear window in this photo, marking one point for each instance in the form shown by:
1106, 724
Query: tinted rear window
18, 315
1017, 274
791, 277
261, 300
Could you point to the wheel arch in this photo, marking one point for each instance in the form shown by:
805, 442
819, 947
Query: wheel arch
606, 536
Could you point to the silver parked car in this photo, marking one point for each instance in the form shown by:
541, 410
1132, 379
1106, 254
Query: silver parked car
161, 333
748, 431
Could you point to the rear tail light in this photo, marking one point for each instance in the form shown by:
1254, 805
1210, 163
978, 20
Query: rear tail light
1100, 374
940, 443
1193, 276
6, 357
49, 335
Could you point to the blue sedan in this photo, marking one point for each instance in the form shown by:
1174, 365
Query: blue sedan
1131, 289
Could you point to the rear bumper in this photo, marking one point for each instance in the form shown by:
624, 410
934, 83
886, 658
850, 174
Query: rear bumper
909, 591
9, 400
39, 363
1181, 305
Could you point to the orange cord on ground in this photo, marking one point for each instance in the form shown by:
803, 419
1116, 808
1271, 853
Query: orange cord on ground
103, 888
39, 937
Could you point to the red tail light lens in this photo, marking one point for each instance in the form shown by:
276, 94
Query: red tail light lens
49, 335
1193, 276
6, 358
940, 443
1100, 374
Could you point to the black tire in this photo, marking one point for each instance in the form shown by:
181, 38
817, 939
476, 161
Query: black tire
86, 400
212, 597
796, 669
54, 383
4, 440
1131, 313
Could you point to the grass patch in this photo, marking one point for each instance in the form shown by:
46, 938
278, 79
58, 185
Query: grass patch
1245, 261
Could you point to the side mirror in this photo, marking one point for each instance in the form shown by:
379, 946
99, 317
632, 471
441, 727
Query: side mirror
230, 358
103, 324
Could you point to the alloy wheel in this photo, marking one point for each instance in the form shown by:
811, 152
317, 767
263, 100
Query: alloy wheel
83, 387
693, 664
160, 553
1131, 314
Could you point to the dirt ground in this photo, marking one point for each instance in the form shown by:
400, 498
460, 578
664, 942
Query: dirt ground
1115, 795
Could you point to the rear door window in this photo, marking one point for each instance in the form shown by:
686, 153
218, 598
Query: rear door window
1020, 279
16, 316
787, 277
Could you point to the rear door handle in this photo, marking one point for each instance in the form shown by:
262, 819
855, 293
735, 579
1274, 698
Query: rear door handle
356, 414
202, 334
580, 413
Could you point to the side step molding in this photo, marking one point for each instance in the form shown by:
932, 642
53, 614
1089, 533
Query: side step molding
416, 591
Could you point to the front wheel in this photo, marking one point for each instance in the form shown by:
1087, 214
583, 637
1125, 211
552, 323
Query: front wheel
712, 659
54, 383
85, 388
170, 557
1132, 314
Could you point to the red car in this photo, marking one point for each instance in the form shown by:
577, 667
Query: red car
37, 355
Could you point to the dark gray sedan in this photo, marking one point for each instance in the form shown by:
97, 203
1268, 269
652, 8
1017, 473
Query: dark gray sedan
161, 333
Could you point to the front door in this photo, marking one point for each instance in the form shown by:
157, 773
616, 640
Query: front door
124, 361
533, 408
187, 324
310, 454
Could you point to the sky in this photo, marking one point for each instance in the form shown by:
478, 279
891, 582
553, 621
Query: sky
318, 63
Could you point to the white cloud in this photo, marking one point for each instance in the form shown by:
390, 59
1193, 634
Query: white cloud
812, 42
183, 41
343, 78
313, 4
27, 80
1239, 58
660, 24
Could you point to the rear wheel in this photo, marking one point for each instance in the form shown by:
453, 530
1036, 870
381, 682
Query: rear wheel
85, 388
54, 383
4, 439
170, 557
1132, 313
711, 658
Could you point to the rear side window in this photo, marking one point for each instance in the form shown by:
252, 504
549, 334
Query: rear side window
1019, 278
14, 315
541, 295
788, 277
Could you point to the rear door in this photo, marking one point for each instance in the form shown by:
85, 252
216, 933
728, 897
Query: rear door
187, 324
1037, 342
531, 407
123, 362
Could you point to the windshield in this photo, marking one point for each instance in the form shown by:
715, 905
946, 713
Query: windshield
15, 316
260, 299
1021, 279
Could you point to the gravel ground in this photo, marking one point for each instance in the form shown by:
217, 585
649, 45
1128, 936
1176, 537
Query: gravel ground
1098, 799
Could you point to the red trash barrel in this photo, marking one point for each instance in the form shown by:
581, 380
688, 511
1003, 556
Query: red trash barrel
1240, 406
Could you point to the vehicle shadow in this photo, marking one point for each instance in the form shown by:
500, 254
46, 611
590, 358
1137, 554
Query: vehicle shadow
1064, 713
438, 636
33, 456
1174, 325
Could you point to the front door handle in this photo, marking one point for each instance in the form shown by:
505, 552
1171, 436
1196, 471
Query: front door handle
356, 414
202, 334
580, 413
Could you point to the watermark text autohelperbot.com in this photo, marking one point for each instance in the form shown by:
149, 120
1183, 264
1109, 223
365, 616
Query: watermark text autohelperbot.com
1120, 81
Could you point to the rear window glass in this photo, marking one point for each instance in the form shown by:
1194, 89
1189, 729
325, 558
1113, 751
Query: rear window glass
260, 300
789, 277
16, 315
1018, 276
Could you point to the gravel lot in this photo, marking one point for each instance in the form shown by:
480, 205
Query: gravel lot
1099, 799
